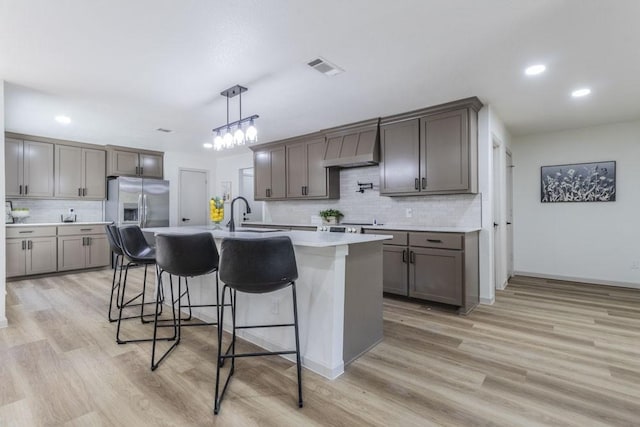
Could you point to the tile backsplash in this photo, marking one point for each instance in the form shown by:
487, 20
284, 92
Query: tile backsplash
462, 210
50, 210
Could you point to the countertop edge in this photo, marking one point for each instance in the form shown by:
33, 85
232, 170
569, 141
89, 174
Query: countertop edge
386, 227
57, 224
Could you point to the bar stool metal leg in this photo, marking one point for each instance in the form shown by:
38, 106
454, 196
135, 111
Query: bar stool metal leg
295, 323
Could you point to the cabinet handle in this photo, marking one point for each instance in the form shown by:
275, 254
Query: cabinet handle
434, 240
508, 223
26, 189
29, 244
84, 192
417, 184
89, 239
424, 183
24, 245
86, 229
141, 170
412, 257
84, 241
404, 256
79, 192
25, 232
20, 189
268, 192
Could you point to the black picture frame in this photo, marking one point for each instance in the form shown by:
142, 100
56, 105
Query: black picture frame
8, 207
578, 182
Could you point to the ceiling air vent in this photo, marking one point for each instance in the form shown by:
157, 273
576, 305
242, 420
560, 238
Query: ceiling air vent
325, 67
164, 130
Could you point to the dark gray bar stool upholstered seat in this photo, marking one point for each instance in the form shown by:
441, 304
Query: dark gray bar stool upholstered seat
256, 266
183, 256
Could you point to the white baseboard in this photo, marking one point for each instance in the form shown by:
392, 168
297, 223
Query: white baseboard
578, 279
487, 301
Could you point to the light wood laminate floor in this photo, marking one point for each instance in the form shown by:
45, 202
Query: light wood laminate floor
546, 353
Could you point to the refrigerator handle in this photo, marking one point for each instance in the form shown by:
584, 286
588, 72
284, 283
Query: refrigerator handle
140, 210
144, 198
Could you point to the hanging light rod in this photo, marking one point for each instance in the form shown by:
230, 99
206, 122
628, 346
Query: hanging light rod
239, 137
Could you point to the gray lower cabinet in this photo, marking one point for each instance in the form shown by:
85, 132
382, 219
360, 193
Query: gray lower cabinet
80, 173
82, 247
28, 168
30, 251
439, 267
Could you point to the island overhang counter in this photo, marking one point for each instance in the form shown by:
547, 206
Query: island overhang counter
339, 291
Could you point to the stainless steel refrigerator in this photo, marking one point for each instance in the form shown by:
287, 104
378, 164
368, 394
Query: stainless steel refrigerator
140, 201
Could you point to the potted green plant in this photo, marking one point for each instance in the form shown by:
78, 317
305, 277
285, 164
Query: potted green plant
331, 216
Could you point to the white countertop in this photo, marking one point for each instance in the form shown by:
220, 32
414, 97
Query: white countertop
381, 227
57, 224
298, 238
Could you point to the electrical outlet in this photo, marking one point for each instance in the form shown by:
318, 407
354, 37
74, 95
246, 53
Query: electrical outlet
275, 306
635, 265
408, 213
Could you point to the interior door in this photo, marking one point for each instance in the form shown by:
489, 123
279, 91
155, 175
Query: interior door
194, 200
246, 190
509, 197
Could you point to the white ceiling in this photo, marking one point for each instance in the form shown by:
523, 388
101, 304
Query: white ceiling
121, 68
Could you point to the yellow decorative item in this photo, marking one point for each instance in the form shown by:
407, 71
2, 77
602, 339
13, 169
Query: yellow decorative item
216, 210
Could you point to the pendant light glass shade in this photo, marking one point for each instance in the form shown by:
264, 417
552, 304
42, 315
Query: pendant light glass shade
252, 133
238, 136
228, 139
218, 143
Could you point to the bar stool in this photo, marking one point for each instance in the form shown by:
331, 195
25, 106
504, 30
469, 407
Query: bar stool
256, 266
138, 252
114, 243
183, 256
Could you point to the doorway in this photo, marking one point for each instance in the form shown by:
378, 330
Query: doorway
497, 216
509, 199
193, 203
245, 189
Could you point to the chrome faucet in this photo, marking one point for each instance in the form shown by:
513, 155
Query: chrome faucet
231, 224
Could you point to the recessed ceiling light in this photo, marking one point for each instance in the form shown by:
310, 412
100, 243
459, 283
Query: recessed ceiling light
535, 69
581, 92
63, 120
207, 145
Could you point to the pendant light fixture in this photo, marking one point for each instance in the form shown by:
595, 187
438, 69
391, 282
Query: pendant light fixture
232, 134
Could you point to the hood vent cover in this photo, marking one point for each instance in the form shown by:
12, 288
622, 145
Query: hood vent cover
353, 145
325, 67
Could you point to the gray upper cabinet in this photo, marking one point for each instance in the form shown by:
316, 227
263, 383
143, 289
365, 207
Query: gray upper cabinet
80, 173
28, 168
270, 173
307, 178
123, 161
431, 151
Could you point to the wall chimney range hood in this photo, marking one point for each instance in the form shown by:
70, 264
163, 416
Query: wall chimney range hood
357, 144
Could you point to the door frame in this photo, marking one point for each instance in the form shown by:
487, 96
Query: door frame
206, 186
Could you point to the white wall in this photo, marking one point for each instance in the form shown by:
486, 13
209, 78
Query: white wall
490, 130
173, 161
3, 318
228, 169
592, 242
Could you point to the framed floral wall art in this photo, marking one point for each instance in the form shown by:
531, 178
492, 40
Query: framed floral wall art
578, 182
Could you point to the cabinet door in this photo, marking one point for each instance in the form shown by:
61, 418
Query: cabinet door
436, 275
94, 173
317, 179
38, 169
297, 170
41, 255
445, 151
395, 269
15, 257
123, 163
262, 174
68, 172
71, 253
98, 251
400, 151
278, 173
13, 173
151, 165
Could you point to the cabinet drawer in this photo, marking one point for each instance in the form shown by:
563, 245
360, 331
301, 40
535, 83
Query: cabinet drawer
436, 240
20, 232
71, 230
399, 237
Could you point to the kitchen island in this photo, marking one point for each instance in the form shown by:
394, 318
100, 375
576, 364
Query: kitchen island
339, 297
